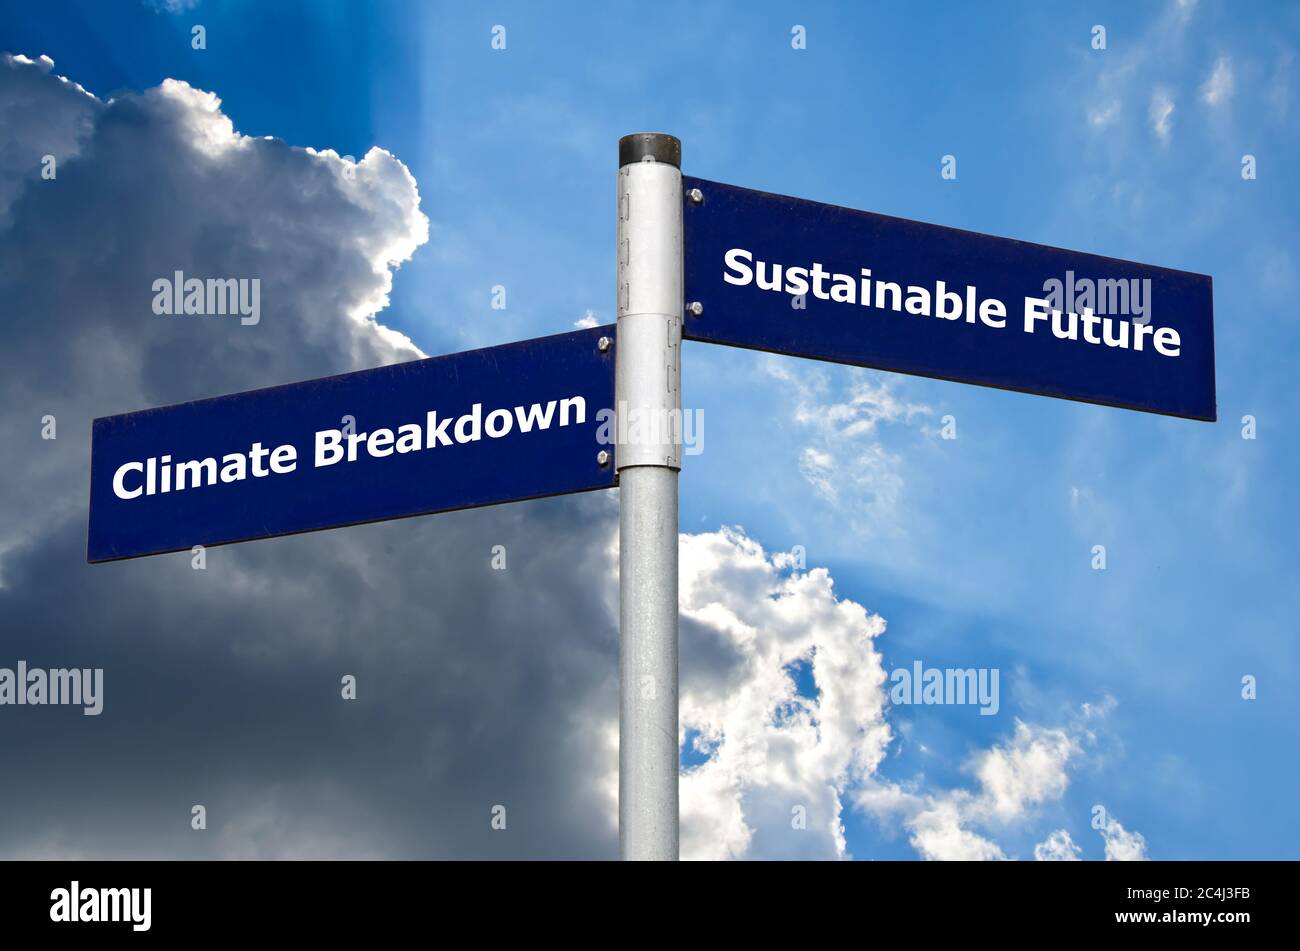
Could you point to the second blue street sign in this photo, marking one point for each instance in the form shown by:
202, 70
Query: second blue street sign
807, 279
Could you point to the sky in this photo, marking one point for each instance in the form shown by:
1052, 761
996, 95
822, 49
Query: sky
383, 168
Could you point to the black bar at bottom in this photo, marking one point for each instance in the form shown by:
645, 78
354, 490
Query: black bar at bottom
1222, 900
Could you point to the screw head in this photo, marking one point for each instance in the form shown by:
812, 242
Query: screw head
603, 344
695, 308
695, 195
602, 458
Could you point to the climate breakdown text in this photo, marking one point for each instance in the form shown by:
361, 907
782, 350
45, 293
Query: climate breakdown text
946, 304
160, 474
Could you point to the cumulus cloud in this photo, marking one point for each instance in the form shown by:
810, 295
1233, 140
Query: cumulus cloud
784, 713
1014, 779
779, 760
1057, 847
1121, 844
939, 833
149, 184
41, 115
1027, 771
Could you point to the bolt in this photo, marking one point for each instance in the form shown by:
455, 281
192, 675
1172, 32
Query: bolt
695, 195
603, 344
602, 458
695, 308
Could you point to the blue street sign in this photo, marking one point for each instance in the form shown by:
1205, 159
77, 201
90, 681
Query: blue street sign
519, 421
807, 279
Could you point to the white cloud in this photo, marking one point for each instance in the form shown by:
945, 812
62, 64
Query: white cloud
1099, 117
1115, 77
1121, 844
745, 621
1028, 771
939, 834
1217, 89
1161, 114
845, 460
1014, 780
1057, 847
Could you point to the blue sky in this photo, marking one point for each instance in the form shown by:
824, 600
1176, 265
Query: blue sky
976, 551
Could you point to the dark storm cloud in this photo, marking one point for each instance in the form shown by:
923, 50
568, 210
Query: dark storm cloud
222, 686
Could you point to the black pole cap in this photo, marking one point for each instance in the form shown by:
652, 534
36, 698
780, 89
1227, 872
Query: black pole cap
656, 145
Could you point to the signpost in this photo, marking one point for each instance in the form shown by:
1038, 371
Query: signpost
648, 388
532, 419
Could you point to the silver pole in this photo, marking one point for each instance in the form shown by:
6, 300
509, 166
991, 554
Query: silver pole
647, 392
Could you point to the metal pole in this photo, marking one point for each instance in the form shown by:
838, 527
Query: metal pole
647, 392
